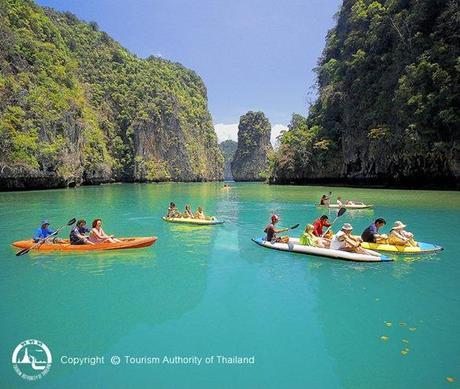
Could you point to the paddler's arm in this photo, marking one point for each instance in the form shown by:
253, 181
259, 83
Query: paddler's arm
281, 230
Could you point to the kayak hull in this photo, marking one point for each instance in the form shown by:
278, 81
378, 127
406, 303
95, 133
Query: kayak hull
126, 243
347, 206
199, 222
295, 247
422, 248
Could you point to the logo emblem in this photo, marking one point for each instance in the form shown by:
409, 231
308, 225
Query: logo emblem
31, 359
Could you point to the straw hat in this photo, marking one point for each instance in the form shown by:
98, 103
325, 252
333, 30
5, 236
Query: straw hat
398, 225
347, 227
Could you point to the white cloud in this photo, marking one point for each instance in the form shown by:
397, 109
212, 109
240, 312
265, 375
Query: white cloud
226, 131
230, 131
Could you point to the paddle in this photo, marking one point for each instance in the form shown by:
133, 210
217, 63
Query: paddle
40, 242
293, 227
340, 213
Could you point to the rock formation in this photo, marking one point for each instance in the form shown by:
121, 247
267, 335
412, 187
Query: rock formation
77, 108
251, 156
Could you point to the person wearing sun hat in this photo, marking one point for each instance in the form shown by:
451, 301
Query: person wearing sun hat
343, 240
43, 231
399, 236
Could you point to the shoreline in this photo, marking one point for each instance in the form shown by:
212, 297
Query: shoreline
345, 184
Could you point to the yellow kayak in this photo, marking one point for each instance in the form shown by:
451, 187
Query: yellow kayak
189, 220
422, 248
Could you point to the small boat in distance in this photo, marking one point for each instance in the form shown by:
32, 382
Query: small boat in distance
188, 220
355, 205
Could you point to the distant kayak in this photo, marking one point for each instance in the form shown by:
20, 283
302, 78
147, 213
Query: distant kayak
347, 206
126, 243
422, 248
188, 220
295, 247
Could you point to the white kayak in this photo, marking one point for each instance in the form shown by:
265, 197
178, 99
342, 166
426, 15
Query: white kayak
295, 247
347, 206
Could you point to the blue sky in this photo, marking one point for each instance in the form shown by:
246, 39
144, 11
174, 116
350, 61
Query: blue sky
252, 54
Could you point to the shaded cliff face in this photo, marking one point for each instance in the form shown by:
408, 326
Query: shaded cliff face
76, 107
251, 156
388, 106
228, 149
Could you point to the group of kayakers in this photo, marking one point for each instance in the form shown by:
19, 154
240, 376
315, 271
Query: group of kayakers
326, 200
173, 212
313, 235
80, 233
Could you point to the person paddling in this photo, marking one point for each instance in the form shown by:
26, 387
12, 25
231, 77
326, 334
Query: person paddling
371, 234
325, 199
318, 225
77, 234
343, 240
98, 235
43, 231
399, 236
271, 231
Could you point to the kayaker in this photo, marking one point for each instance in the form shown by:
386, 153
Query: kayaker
172, 210
199, 214
343, 240
271, 231
98, 235
188, 212
371, 233
318, 225
77, 234
339, 201
325, 199
398, 236
309, 239
43, 231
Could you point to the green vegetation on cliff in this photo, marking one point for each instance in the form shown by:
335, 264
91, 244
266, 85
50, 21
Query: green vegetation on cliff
251, 156
389, 98
76, 107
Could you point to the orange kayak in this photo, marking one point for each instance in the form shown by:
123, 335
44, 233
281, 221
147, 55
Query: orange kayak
126, 243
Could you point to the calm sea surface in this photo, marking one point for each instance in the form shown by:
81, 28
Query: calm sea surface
210, 291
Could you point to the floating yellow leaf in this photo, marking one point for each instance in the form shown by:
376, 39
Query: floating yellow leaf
402, 324
404, 352
384, 338
388, 324
404, 341
412, 329
450, 379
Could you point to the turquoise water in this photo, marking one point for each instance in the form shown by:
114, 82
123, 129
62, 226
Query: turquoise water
209, 291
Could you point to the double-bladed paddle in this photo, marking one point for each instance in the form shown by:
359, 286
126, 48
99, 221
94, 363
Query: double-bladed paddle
41, 241
340, 213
